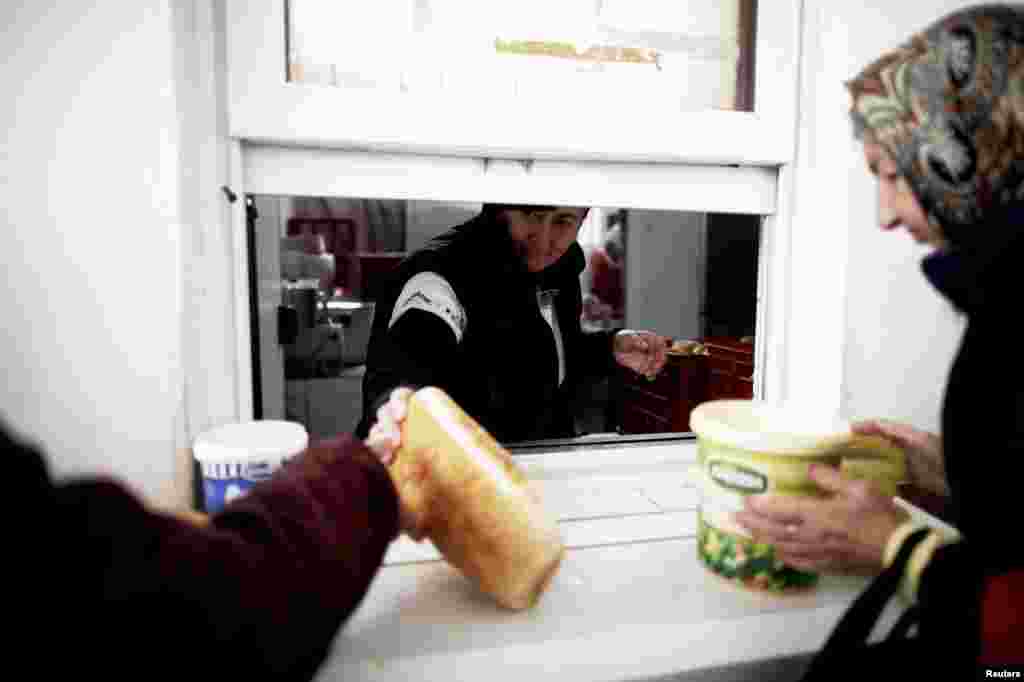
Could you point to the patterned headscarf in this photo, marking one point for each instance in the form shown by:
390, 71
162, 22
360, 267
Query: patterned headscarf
948, 106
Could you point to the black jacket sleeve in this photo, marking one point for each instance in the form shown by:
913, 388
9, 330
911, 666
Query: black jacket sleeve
419, 349
596, 351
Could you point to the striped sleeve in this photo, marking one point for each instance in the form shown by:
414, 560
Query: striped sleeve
430, 292
919, 558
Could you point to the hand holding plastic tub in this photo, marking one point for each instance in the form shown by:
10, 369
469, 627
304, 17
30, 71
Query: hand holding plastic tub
925, 467
846, 530
460, 487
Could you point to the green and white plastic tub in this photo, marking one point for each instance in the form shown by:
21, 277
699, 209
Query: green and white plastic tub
749, 447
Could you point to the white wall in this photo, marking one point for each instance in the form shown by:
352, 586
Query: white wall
209, 238
96, 191
667, 247
899, 335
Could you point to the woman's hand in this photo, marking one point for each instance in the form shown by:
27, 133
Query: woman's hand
641, 351
925, 466
385, 436
384, 439
846, 530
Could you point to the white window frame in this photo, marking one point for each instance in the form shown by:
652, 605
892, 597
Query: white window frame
263, 106
284, 144
300, 171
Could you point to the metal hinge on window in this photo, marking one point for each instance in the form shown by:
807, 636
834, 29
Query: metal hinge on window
527, 164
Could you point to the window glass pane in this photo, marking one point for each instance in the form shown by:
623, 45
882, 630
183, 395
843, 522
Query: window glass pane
688, 55
326, 262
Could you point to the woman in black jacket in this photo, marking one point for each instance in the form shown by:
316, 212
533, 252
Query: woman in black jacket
942, 124
490, 312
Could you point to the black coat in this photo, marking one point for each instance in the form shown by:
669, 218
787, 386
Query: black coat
504, 372
983, 445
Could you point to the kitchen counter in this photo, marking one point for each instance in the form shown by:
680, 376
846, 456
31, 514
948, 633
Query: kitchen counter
630, 601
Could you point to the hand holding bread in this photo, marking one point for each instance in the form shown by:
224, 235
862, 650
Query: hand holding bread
461, 488
385, 439
385, 435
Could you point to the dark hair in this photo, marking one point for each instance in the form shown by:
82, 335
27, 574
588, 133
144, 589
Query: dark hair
491, 210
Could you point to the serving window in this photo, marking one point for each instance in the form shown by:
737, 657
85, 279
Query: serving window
684, 265
696, 175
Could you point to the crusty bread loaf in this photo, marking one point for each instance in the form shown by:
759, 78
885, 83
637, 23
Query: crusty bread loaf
473, 502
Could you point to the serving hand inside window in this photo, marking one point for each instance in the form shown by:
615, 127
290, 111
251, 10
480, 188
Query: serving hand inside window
641, 351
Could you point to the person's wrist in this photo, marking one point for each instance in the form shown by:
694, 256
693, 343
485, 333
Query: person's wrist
935, 484
926, 472
880, 529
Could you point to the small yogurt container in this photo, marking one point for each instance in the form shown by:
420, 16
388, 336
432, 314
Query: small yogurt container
235, 457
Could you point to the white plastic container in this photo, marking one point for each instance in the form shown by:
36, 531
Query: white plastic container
748, 447
235, 457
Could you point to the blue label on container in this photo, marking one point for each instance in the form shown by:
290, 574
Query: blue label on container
223, 482
220, 491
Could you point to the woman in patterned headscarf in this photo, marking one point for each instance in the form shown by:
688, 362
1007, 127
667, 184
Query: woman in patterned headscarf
941, 120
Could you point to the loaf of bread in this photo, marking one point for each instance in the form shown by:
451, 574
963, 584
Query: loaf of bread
473, 503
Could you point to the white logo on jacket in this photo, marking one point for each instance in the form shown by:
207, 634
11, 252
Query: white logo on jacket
432, 293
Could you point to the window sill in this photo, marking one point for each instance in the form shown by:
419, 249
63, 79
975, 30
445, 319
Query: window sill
631, 600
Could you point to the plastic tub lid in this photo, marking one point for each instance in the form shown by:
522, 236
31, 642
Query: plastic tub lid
261, 439
788, 429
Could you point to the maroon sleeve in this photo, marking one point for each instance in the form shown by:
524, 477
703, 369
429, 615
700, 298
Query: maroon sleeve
262, 590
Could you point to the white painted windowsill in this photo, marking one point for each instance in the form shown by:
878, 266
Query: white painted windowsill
630, 601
